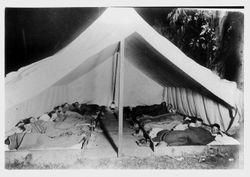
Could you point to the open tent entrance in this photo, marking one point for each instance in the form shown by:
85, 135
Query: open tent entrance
150, 69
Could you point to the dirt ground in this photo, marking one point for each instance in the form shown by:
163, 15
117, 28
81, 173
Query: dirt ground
154, 162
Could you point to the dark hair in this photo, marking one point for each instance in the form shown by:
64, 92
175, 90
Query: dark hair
199, 119
7, 141
187, 121
216, 125
22, 127
75, 104
64, 104
50, 113
164, 104
19, 123
56, 108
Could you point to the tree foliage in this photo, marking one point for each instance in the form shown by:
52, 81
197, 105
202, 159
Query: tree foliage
213, 38
193, 31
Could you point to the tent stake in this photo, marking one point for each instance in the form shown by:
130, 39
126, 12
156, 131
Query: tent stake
121, 85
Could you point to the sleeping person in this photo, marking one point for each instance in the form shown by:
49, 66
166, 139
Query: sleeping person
59, 116
75, 107
46, 117
171, 109
15, 137
190, 136
35, 126
177, 125
67, 113
14, 130
184, 125
158, 123
221, 138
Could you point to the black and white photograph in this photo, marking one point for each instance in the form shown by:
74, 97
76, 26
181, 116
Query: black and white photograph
124, 87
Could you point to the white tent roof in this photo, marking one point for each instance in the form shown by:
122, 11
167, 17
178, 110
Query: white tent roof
148, 51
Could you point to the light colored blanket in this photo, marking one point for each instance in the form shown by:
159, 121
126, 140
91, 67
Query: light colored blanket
57, 134
224, 140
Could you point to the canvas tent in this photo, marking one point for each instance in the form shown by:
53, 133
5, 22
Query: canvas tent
154, 70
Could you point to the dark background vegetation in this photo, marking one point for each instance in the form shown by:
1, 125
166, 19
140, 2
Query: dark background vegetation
212, 38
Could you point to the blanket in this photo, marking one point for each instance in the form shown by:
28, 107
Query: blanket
152, 110
56, 134
15, 140
190, 136
166, 121
223, 139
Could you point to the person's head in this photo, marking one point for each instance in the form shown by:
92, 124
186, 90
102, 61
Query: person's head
54, 116
32, 119
64, 111
170, 106
136, 126
20, 129
215, 128
60, 108
191, 124
187, 120
19, 124
7, 141
65, 107
198, 122
56, 109
77, 104
51, 113
163, 104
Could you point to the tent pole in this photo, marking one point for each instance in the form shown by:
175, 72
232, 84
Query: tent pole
121, 85
163, 94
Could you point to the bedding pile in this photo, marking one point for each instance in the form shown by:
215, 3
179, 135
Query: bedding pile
173, 129
166, 121
56, 134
